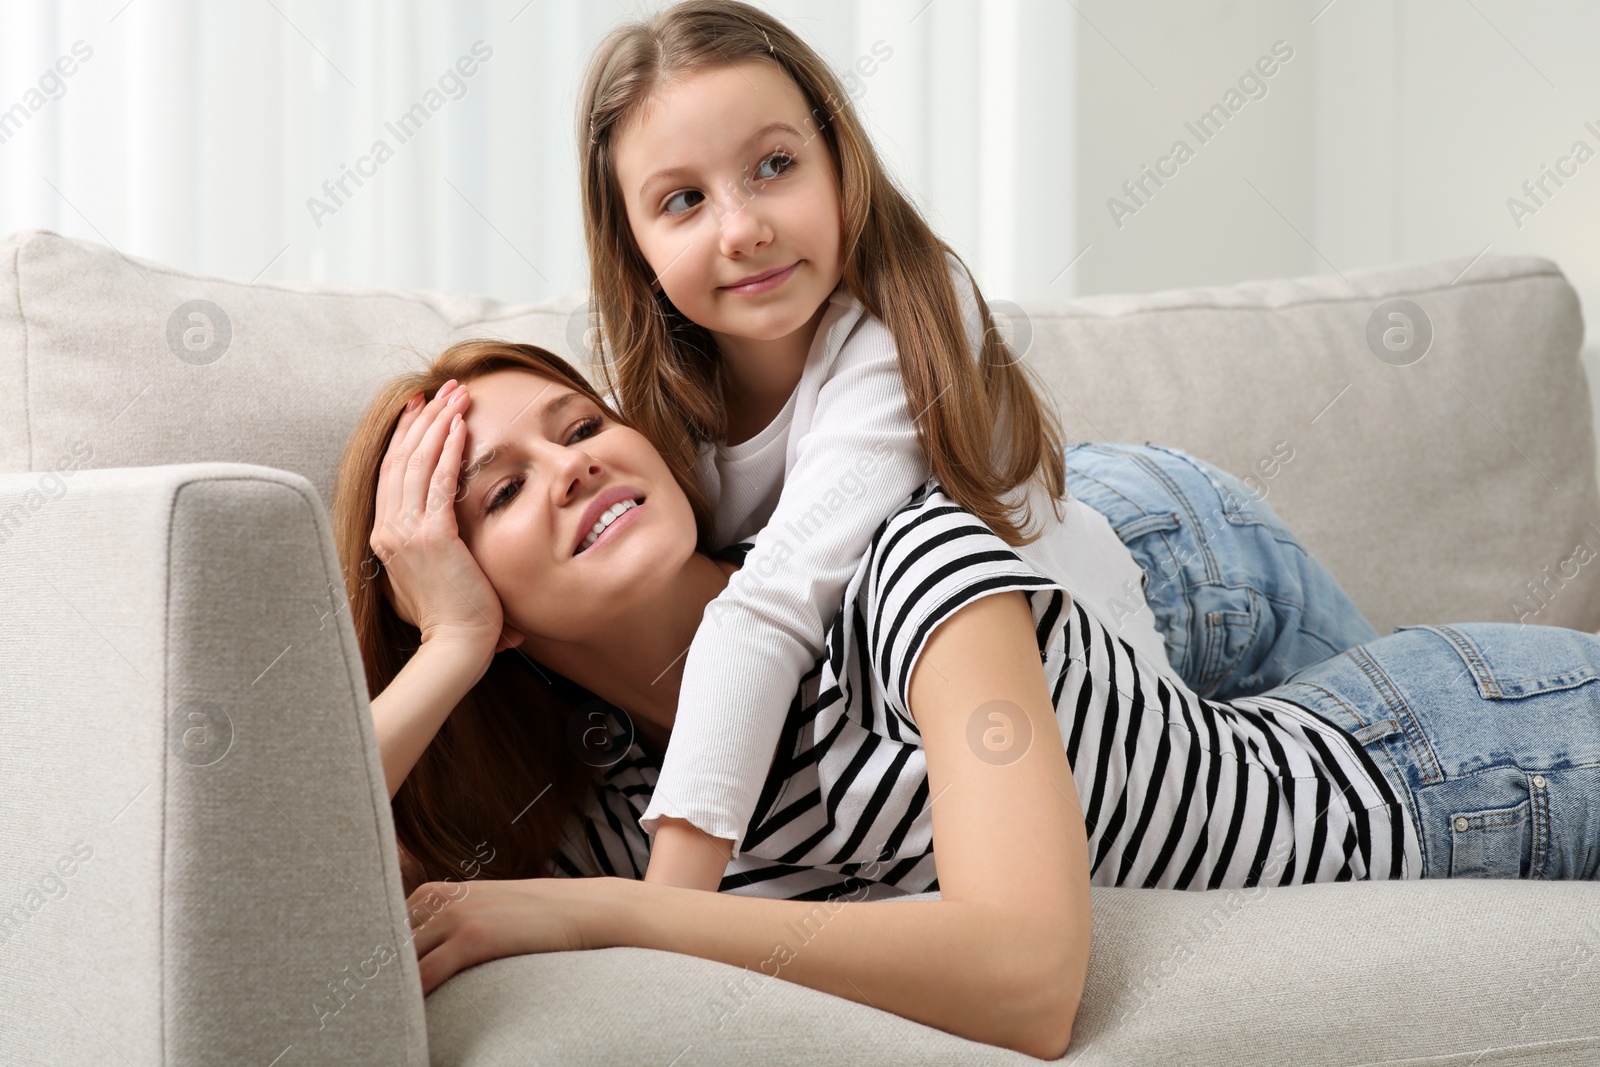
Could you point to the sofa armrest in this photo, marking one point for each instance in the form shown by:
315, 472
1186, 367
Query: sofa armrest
200, 861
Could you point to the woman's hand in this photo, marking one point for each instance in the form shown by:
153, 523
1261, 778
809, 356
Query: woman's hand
456, 925
429, 575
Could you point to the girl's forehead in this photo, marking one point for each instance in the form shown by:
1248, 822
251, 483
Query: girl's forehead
752, 90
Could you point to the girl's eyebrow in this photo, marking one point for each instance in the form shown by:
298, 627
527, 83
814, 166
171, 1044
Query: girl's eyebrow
675, 173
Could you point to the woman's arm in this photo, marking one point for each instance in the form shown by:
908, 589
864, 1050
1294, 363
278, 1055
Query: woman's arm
1000, 959
430, 580
417, 701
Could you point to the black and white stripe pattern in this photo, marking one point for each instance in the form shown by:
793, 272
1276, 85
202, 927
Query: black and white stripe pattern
1177, 791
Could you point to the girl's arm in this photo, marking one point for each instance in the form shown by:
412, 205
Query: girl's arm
1001, 958
682, 854
857, 461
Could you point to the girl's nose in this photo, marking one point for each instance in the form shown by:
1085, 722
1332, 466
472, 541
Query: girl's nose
742, 222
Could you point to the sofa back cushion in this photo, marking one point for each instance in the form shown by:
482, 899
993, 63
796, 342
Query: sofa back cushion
1452, 486
1437, 490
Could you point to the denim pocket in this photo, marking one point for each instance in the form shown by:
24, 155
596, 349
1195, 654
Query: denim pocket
1229, 635
1493, 843
1561, 659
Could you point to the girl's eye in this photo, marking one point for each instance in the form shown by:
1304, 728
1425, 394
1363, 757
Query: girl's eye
774, 165
584, 430
686, 202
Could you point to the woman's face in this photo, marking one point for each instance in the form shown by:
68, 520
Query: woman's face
542, 464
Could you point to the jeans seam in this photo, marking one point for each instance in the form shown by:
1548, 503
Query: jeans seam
1539, 809
1213, 571
1129, 501
1383, 758
1495, 818
1469, 654
1421, 750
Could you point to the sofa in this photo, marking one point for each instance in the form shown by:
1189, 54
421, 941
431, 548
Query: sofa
200, 863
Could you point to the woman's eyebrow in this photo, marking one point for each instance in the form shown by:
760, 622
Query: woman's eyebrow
487, 452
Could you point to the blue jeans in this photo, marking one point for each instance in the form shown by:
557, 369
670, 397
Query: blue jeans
1489, 732
1241, 603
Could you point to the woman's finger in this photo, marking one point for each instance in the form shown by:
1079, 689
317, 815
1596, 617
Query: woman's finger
408, 415
406, 440
429, 409
423, 461
442, 489
392, 469
442, 962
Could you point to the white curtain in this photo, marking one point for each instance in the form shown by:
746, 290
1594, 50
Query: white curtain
243, 138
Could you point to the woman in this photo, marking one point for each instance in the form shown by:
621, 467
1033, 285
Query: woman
932, 699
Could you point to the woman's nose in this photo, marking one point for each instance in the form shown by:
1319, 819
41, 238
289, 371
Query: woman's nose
572, 469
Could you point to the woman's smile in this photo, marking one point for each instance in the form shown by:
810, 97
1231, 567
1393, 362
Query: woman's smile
613, 529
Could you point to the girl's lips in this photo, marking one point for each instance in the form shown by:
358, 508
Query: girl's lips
761, 285
618, 524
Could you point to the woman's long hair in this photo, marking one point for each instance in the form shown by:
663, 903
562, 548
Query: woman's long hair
465, 804
663, 368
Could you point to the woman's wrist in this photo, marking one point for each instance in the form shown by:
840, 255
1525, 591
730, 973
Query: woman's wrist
614, 908
462, 637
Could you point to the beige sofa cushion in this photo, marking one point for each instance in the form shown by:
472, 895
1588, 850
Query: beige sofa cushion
1433, 491
1438, 973
98, 356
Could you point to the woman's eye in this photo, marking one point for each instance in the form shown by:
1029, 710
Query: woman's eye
503, 494
686, 199
774, 165
584, 430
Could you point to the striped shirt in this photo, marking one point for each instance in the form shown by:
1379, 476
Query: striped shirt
1177, 791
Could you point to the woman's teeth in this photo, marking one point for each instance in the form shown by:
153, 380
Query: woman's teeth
607, 517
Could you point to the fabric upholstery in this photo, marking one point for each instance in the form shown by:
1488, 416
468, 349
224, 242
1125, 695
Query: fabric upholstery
220, 901
184, 697
1451, 973
1435, 492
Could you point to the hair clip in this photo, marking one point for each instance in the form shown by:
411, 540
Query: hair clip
764, 37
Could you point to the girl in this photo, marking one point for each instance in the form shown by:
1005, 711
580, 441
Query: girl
780, 321
956, 676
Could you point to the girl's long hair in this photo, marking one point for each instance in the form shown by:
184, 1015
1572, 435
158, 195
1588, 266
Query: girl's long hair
466, 803
663, 368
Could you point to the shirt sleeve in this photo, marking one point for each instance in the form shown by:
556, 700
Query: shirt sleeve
858, 460
929, 562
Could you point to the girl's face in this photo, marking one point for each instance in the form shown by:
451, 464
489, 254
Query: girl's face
541, 463
733, 198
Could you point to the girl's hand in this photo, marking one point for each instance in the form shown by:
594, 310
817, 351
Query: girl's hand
456, 925
429, 575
